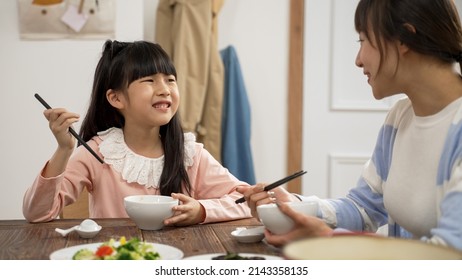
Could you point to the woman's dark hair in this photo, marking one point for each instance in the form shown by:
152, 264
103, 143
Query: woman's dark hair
122, 63
430, 27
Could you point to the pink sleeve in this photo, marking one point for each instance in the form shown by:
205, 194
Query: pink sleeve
214, 187
45, 199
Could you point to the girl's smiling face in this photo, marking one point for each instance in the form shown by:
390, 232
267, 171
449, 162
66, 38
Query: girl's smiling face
151, 100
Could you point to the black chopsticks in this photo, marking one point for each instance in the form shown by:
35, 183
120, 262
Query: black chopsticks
277, 183
72, 131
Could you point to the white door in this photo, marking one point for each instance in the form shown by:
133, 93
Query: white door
342, 118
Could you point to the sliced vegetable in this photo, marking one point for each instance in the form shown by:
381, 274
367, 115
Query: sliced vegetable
104, 250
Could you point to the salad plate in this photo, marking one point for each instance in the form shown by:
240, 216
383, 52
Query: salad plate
245, 255
166, 252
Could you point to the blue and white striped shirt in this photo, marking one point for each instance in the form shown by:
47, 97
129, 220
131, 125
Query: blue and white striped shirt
413, 182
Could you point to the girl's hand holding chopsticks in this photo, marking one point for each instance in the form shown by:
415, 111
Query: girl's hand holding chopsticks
60, 120
65, 123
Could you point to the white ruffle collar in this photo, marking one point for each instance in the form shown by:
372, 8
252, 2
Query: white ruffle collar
133, 167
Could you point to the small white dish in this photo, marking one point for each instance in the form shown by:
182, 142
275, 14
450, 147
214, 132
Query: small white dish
251, 235
87, 229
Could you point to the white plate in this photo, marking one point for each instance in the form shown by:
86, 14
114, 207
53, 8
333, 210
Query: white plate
166, 252
210, 256
366, 247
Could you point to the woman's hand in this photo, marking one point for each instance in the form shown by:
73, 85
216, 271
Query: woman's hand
305, 226
256, 195
189, 212
59, 122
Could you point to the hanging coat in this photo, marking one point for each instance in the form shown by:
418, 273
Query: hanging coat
187, 30
236, 148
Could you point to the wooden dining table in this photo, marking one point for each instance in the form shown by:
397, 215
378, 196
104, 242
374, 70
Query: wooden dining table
21, 240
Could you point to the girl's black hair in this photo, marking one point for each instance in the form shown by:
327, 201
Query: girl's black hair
430, 27
122, 63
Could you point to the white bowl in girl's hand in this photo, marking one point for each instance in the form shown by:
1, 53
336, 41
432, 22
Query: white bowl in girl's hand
149, 211
277, 222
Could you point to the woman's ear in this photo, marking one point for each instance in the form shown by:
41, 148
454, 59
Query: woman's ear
409, 27
403, 48
113, 97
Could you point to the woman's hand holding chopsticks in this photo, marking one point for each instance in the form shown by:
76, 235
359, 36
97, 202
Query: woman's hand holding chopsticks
257, 195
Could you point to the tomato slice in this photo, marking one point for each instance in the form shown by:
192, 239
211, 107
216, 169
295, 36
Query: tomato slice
104, 250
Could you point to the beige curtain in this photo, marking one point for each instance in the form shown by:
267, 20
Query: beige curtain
187, 30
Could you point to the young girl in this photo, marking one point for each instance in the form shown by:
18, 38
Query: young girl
132, 122
413, 182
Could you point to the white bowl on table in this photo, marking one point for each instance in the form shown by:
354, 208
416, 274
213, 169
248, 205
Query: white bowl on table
279, 223
149, 211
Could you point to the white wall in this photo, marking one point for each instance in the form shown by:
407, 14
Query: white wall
61, 71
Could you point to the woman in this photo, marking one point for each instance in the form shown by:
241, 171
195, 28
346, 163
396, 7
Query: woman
413, 182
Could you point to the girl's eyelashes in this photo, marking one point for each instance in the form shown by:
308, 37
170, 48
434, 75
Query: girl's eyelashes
149, 79
171, 78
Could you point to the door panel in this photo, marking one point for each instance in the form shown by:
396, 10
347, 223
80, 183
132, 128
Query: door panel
341, 117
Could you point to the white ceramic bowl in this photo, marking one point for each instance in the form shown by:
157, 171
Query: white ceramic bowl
149, 211
277, 222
